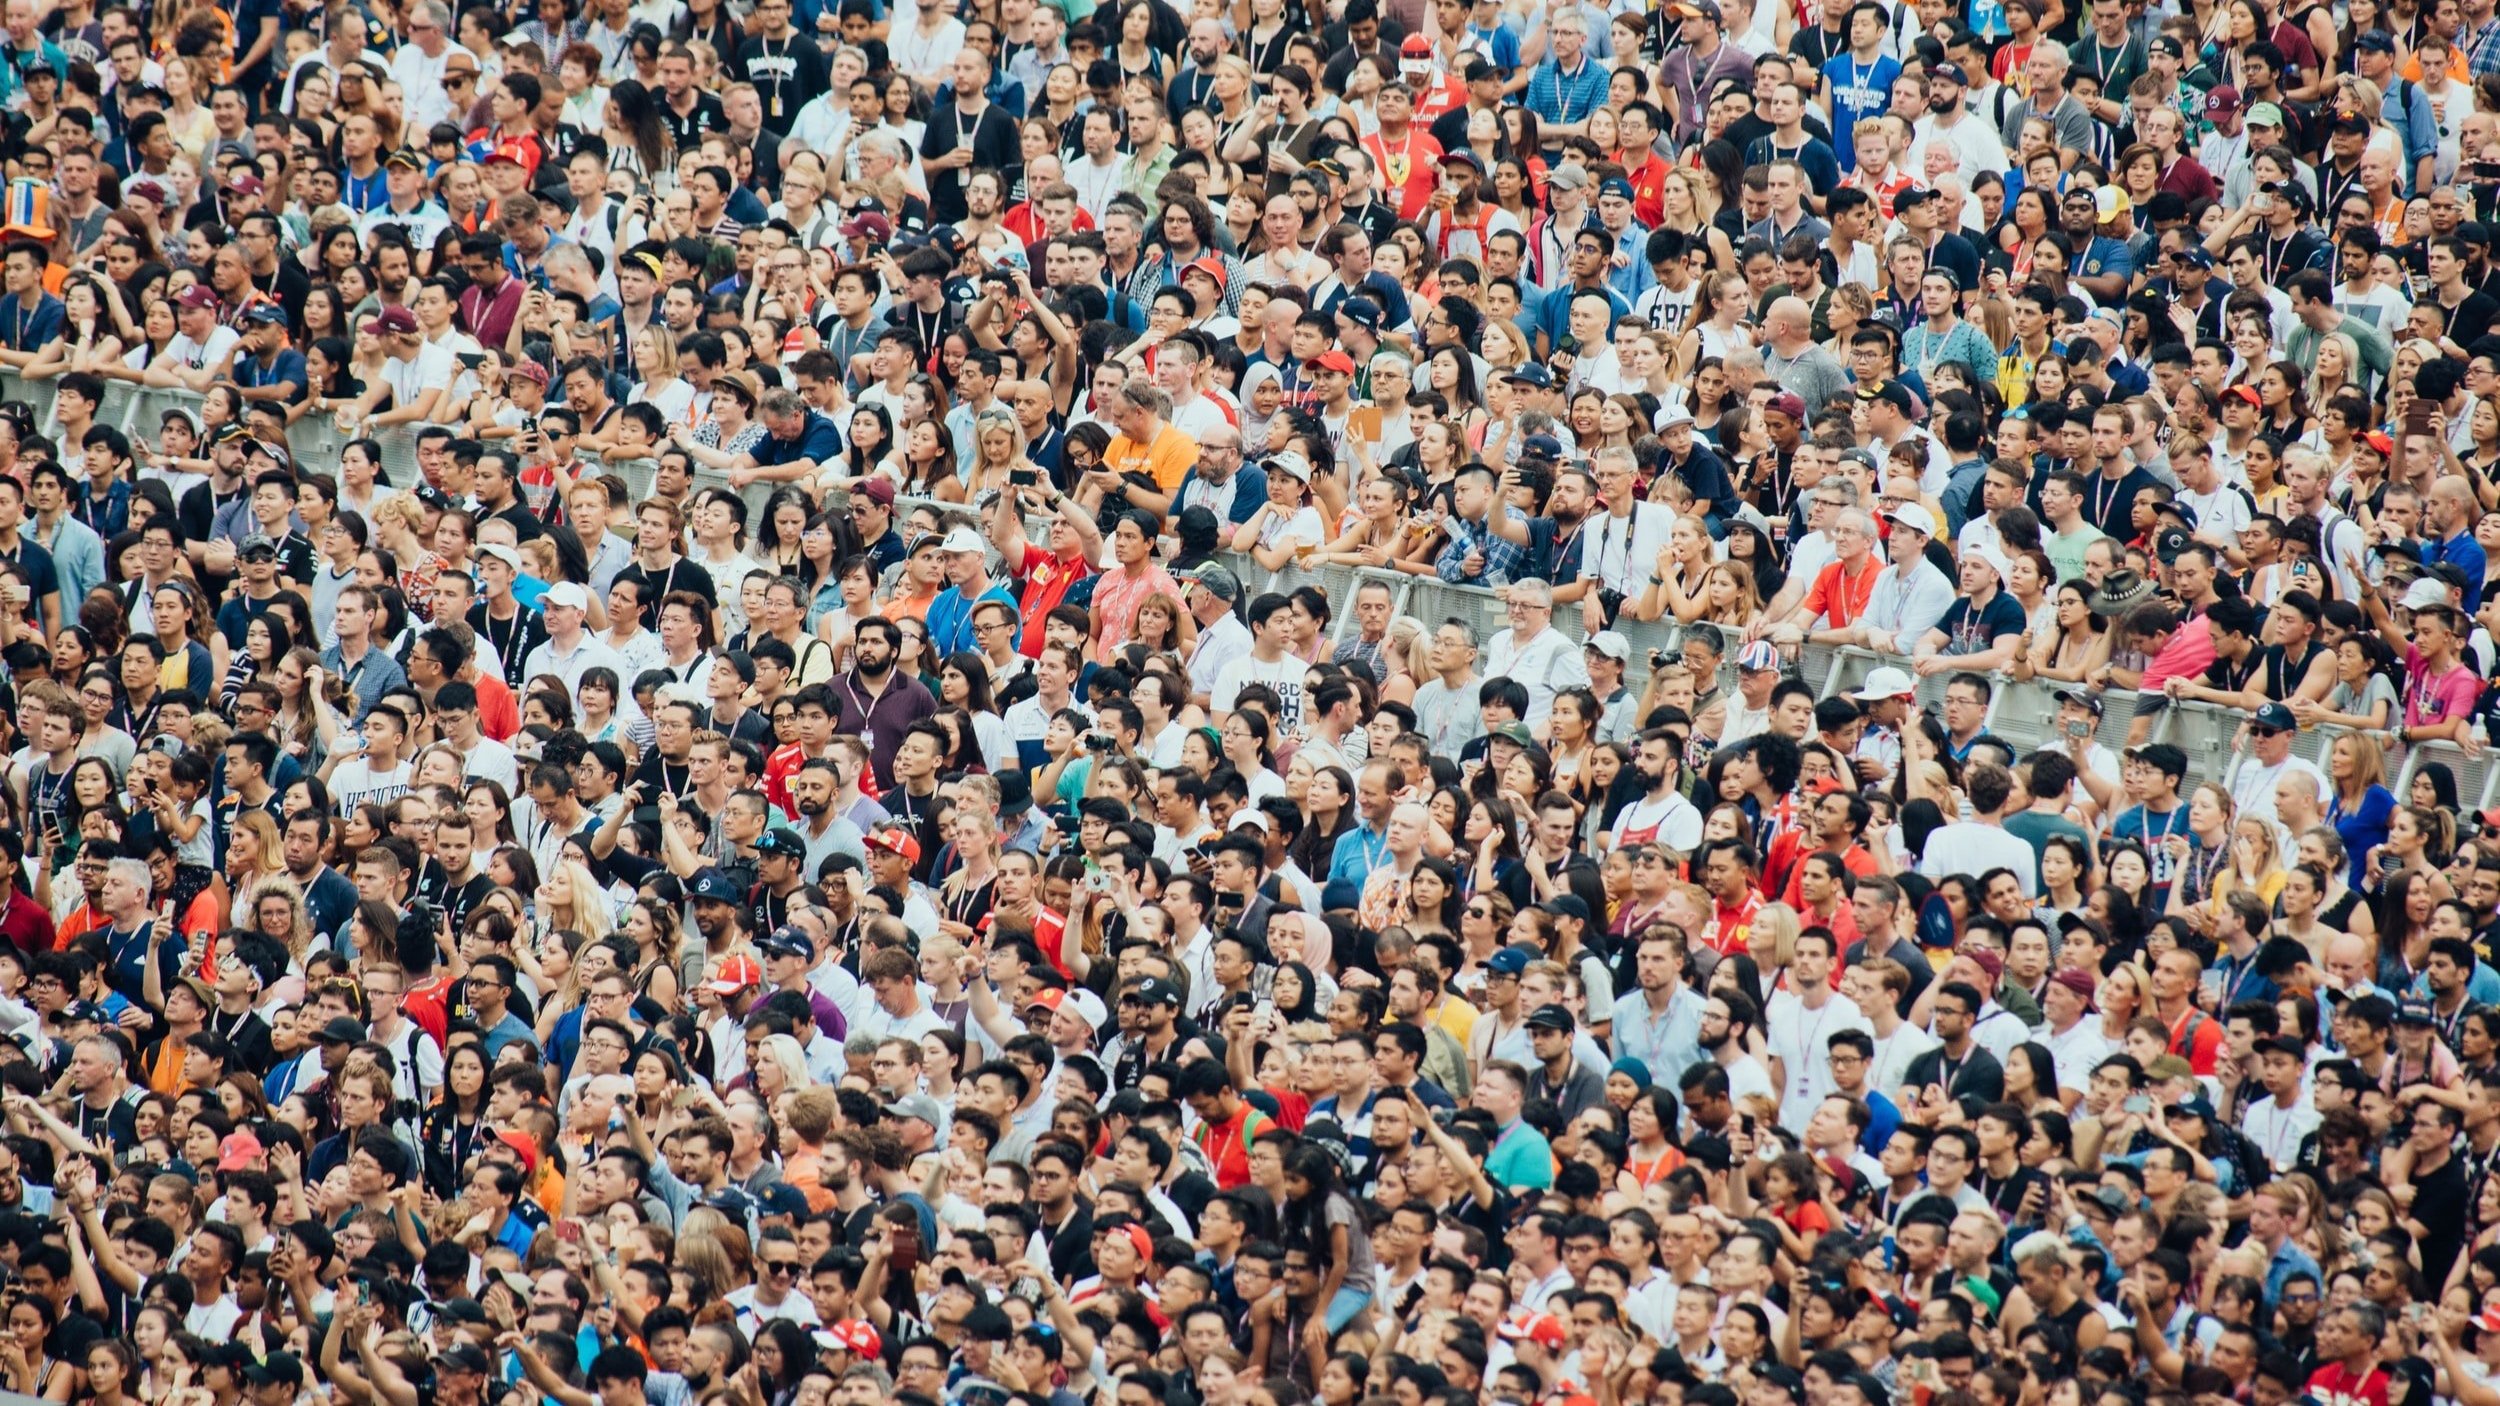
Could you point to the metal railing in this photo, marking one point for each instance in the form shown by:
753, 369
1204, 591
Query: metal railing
2021, 712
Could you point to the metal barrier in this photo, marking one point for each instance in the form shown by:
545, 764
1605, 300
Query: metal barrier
2022, 712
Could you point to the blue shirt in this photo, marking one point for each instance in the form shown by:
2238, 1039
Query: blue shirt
950, 618
2466, 555
1857, 92
288, 369
1566, 98
22, 329
1359, 851
819, 442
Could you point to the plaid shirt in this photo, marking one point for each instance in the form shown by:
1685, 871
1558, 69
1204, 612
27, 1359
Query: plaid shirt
1502, 561
2483, 49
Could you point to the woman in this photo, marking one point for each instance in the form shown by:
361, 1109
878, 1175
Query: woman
266, 641
89, 340
1677, 588
25, 1363
456, 1126
965, 896
964, 682
2283, 402
1378, 534
1325, 796
2076, 642
1716, 330
2360, 806
2364, 695
255, 855
655, 362
1249, 748
2200, 878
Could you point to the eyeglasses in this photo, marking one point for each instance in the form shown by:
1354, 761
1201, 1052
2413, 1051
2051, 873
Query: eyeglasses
781, 1266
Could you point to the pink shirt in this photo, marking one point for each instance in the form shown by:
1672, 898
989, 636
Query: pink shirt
1118, 594
2430, 701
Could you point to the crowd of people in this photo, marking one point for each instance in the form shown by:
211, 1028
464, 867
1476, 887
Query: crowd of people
700, 752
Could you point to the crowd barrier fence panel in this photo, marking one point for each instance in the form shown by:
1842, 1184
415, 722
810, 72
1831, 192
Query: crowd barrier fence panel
2022, 712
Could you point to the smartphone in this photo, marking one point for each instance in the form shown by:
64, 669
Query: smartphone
2138, 1104
1023, 478
2078, 729
903, 1249
2417, 416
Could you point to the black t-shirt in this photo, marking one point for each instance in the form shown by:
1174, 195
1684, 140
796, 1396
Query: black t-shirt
2469, 319
689, 129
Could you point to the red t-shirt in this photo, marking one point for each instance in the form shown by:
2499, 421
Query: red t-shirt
1047, 577
2335, 1385
1841, 598
2197, 1038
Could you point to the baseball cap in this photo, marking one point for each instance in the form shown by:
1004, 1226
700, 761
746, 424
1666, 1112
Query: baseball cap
1336, 361
569, 594
2221, 100
713, 886
198, 295
787, 941
2109, 202
783, 841
1290, 464
736, 974
894, 840
1153, 991
1757, 657
392, 320
960, 539
1530, 374
1415, 47
919, 1106
1551, 1017
1216, 579
1510, 961
2275, 716
238, 1150
1611, 644
1883, 683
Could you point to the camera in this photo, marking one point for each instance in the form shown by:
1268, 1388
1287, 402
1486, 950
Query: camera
1096, 742
1657, 659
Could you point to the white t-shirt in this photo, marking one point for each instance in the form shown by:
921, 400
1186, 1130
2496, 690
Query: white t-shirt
490, 760
1972, 849
190, 355
430, 368
1285, 676
355, 782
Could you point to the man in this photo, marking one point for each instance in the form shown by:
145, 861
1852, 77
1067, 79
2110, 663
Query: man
1979, 631
351, 658
1569, 85
1532, 651
872, 702
966, 130
1982, 843
2044, 72
1958, 1066
1800, 1021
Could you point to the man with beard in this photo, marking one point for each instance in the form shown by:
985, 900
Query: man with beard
823, 830
1662, 816
872, 704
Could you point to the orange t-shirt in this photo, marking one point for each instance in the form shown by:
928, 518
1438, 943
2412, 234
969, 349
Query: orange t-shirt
1167, 460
